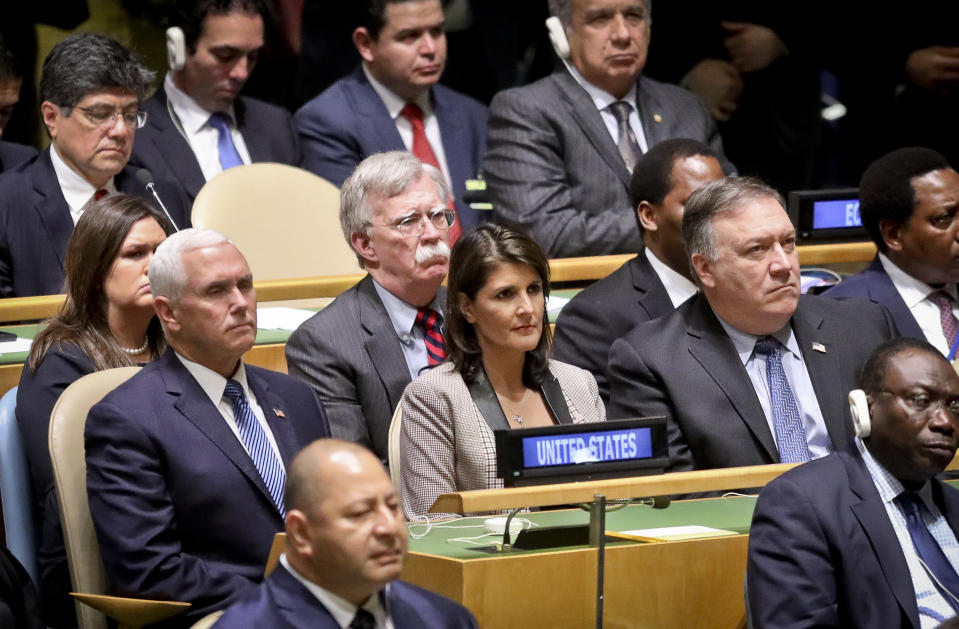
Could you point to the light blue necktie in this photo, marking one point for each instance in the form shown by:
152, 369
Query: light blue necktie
229, 157
790, 434
928, 549
257, 443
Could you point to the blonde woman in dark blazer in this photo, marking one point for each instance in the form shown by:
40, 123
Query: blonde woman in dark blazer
498, 376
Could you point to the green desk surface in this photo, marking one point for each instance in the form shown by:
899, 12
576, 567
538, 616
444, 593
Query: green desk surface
733, 514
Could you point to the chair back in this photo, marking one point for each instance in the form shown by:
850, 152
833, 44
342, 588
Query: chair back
285, 220
67, 454
393, 449
18, 515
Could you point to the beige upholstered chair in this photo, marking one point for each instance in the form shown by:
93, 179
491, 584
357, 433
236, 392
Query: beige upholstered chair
70, 474
208, 621
393, 449
285, 220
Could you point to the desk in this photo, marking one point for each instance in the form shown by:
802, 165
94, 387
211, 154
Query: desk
682, 584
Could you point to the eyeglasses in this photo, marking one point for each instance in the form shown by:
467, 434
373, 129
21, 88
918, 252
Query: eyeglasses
102, 117
414, 224
924, 402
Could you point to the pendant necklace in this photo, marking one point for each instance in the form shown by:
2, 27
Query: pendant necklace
515, 411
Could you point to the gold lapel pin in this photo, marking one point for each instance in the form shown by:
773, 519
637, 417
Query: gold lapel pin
657, 118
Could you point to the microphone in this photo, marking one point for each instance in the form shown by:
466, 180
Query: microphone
146, 180
656, 502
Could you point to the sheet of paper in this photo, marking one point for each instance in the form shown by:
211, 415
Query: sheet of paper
673, 533
281, 318
14, 347
555, 304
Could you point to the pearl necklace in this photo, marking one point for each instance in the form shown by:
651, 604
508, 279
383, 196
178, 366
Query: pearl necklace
515, 411
137, 350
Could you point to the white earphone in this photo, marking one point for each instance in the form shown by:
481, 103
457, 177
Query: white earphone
557, 36
175, 48
859, 409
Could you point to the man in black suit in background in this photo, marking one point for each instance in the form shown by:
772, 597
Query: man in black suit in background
11, 153
747, 371
658, 278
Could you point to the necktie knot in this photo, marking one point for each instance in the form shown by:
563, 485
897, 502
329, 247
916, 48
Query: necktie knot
621, 109
767, 346
233, 391
362, 620
910, 503
99, 194
950, 325
431, 322
429, 319
226, 149
626, 141
412, 112
219, 121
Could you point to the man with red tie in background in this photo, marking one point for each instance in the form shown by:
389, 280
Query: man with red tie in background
392, 102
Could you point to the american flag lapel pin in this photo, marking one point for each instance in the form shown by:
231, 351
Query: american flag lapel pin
819, 347
279, 413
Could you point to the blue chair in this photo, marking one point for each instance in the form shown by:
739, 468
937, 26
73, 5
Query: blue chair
18, 516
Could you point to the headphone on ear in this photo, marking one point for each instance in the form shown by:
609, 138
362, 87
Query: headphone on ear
859, 409
557, 37
175, 48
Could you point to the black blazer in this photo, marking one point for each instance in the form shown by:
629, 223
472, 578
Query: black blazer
13, 154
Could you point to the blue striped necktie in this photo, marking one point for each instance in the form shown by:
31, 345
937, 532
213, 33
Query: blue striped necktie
790, 434
257, 443
229, 156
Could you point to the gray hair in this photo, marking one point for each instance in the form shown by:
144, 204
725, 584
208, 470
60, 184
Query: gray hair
713, 198
563, 9
385, 175
86, 62
167, 274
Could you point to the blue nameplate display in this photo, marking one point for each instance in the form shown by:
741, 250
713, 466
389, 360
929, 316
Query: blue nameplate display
593, 447
830, 215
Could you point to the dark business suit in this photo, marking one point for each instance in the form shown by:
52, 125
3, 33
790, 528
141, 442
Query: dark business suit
605, 311
267, 131
874, 284
37, 393
13, 154
684, 366
552, 166
823, 553
35, 224
350, 354
282, 601
178, 506
349, 122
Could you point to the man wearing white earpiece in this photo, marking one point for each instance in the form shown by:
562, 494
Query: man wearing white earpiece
866, 537
560, 151
198, 124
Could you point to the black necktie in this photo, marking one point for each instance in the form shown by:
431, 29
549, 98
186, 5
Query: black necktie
363, 620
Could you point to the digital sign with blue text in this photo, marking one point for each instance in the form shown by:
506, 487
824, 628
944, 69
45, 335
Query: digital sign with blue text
587, 447
836, 214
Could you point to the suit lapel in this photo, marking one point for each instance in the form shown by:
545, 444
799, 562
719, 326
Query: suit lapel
370, 106
824, 371
173, 147
653, 297
872, 517
648, 107
883, 291
583, 111
52, 208
484, 397
257, 142
194, 404
277, 416
297, 605
711, 347
382, 346
456, 140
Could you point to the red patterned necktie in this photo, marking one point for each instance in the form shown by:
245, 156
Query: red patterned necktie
430, 321
424, 152
950, 325
99, 194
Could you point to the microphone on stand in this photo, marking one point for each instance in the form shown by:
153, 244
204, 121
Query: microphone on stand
146, 179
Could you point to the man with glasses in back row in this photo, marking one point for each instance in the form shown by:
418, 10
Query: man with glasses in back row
361, 351
91, 88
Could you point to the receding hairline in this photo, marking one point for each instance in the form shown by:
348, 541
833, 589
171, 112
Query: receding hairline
309, 478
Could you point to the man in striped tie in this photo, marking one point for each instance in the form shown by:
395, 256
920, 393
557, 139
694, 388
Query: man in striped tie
361, 351
187, 460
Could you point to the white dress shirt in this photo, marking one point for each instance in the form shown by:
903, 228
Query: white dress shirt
76, 190
394, 105
193, 121
411, 336
603, 99
916, 295
341, 609
677, 286
817, 437
213, 384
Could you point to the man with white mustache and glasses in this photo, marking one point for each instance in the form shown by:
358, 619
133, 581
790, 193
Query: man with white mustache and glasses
361, 351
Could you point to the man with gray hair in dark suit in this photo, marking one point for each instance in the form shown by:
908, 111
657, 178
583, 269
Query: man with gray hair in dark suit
560, 151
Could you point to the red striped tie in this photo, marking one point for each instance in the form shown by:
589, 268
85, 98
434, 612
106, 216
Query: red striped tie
430, 321
424, 152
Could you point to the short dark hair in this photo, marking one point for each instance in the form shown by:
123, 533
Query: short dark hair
374, 15
85, 62
873, 373
473, 260
189, 15
885, 189
9, 72
652, 176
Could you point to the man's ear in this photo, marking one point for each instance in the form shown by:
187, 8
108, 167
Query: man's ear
891, 233
166, 313
467, 307
298, 532
51, 116
646, 213
364, 44
703, 267
363, 245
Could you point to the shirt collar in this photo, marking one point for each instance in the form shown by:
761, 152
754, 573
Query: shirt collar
212, 383
888, 485
745, 343
394, 104
912, 290
403, 315
76, 190
601, 98
341, 609
192, 117
678, 287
